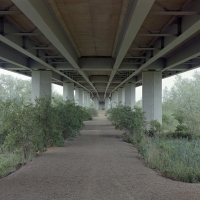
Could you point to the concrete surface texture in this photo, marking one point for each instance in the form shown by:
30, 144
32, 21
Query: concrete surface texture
95, 166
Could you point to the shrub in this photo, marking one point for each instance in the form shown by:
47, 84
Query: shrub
169, 122
9, 163
154, 129
22, 130
181, 132
47, 121
130, 120
70, 118
128, 139
93, 111
27, 129
177, 159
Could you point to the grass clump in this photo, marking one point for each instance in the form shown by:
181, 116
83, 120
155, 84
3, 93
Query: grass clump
9, 163
175, 154
175, 158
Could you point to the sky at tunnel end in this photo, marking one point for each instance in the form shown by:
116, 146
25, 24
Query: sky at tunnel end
167, 82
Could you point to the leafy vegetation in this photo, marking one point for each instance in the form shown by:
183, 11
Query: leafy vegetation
175, 158
173, 148
27, 129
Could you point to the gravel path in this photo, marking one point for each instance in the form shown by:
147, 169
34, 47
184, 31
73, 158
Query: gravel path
97, 165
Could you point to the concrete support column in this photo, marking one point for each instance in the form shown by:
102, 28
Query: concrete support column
120, 95
107, 103
85, 99
41, 84
88, 99
130, 94
80, 99
77, 95
115, 99
96, 103
68, 91
152, 95
123, 96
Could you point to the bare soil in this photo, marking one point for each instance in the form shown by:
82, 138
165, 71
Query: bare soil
95, 166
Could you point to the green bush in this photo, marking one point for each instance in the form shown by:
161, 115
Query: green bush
27, 129
154, 129
22, 130
176, 158
128, 139
93, 111
9, 163
169, 122
47, 121
70, 118
130, 120
181, 132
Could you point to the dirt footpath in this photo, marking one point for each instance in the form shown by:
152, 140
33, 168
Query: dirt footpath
96, 166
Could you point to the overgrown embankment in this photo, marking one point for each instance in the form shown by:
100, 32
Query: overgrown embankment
27, 129
176, 154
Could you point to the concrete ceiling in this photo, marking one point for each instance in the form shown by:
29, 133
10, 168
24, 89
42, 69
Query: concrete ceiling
99, 46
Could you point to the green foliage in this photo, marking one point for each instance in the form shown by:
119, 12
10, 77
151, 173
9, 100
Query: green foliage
169, 122
130, 120
22, 133
29, 128
47, 122
177, 159
9, 163
128, 139
138, 104
183, 102
71, 117
154, 129
181, 132
93, 111
15, 90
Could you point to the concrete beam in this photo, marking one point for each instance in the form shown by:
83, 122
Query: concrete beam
134, 23
39, 14
189, 52
13, 52
190, 26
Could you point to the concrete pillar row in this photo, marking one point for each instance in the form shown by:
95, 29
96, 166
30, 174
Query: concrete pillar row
120, 95
81, 97
88, 99
68, 91
107, 103
85, 98
77, 95
96, 103
123, 96
130, 95
41, 84
152, 95
115, 98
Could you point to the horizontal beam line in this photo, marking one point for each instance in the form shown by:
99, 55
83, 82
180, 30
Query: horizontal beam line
174, 13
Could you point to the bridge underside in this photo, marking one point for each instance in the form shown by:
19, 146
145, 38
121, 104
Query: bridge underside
101, 49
